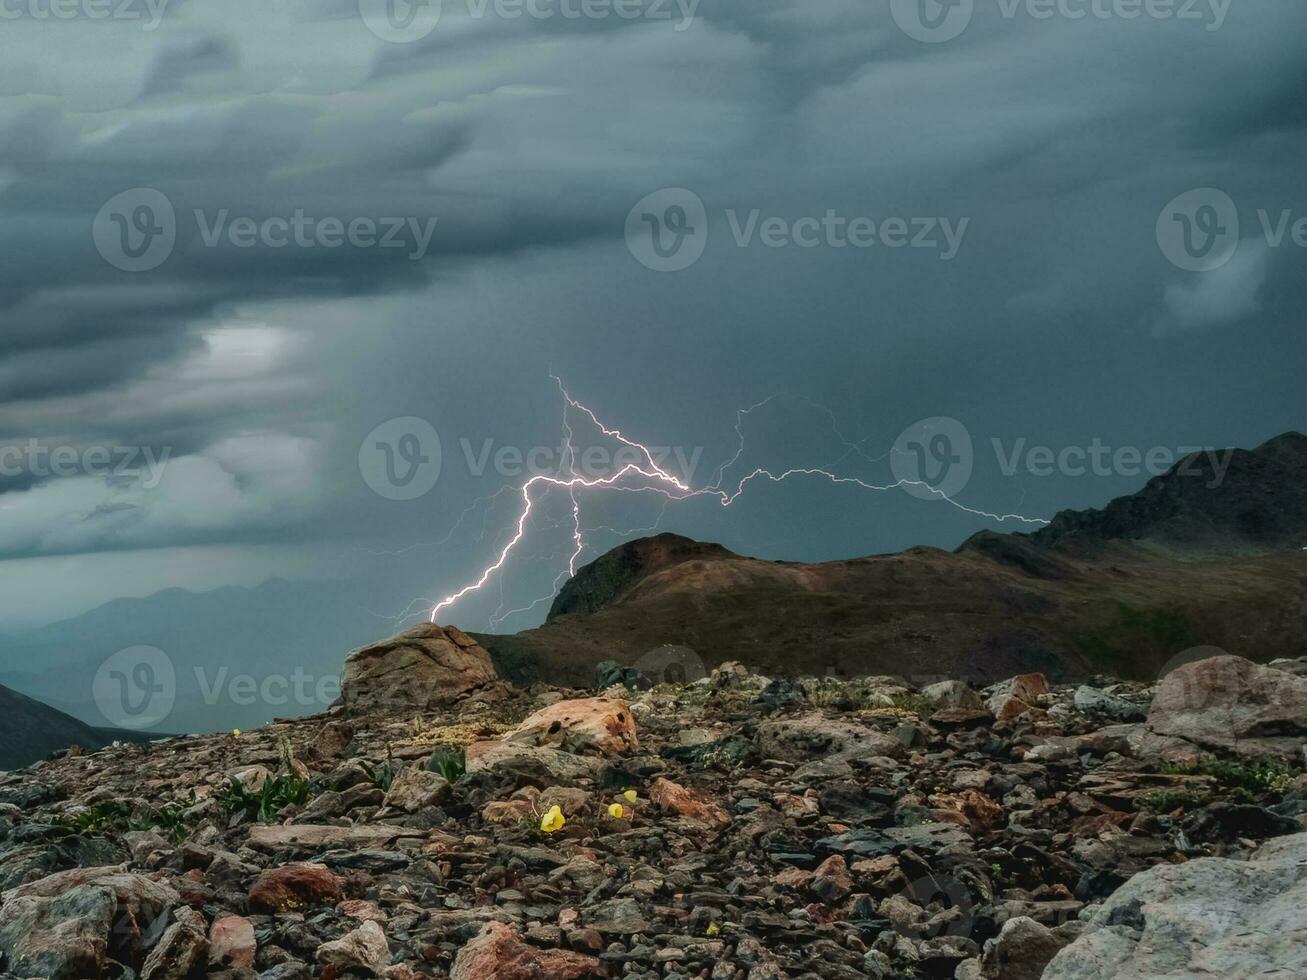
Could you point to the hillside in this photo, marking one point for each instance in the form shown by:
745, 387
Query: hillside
30, 731
1189, 560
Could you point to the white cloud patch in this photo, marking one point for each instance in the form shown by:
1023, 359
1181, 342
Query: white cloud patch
1221, 297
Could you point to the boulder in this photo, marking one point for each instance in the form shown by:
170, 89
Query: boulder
1233, 704
1092, 701
295, 887
1210, 917
1023, 948
422, 667
499, 953
181, 952
60, 937
361, 950
1017, 695
415, 789
583, 724
803, 737
232, 943
673, 798
952, 694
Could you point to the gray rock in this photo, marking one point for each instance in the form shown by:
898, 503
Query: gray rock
1095, 702
1021, 950
1233, 704
1211, 917
952, 694
64, 937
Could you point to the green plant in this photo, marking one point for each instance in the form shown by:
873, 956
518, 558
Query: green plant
116, 817
384, 774
448, 760
1246, 780
263, 804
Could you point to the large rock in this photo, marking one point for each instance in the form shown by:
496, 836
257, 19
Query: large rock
294, 888
597, 724
1017, 695
673, 798
140, 903
1233, 704
498, 953
61, 937
1211, 917
804, 737
182, 950
424, 666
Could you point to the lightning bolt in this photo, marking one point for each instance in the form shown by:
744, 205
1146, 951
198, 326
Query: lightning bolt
647, 476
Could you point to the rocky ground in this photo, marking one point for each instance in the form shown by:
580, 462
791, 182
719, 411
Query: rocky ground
737, 827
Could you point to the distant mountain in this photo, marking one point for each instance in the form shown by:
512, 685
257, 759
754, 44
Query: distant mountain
1254, 500
1189, 560
30, 731
229, 650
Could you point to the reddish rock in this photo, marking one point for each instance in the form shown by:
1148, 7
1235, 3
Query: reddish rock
498, 953
1018, 695
671, 797
232, 943
292, 887
602, 724
832, 881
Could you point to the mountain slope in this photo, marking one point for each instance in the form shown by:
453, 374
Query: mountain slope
30, 731
1189, 560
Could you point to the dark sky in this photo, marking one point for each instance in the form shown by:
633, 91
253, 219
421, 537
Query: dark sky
217, 251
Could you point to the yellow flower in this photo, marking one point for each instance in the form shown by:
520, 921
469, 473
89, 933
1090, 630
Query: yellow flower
615, 811
631, 796
236, 732
553, 820
713, 929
